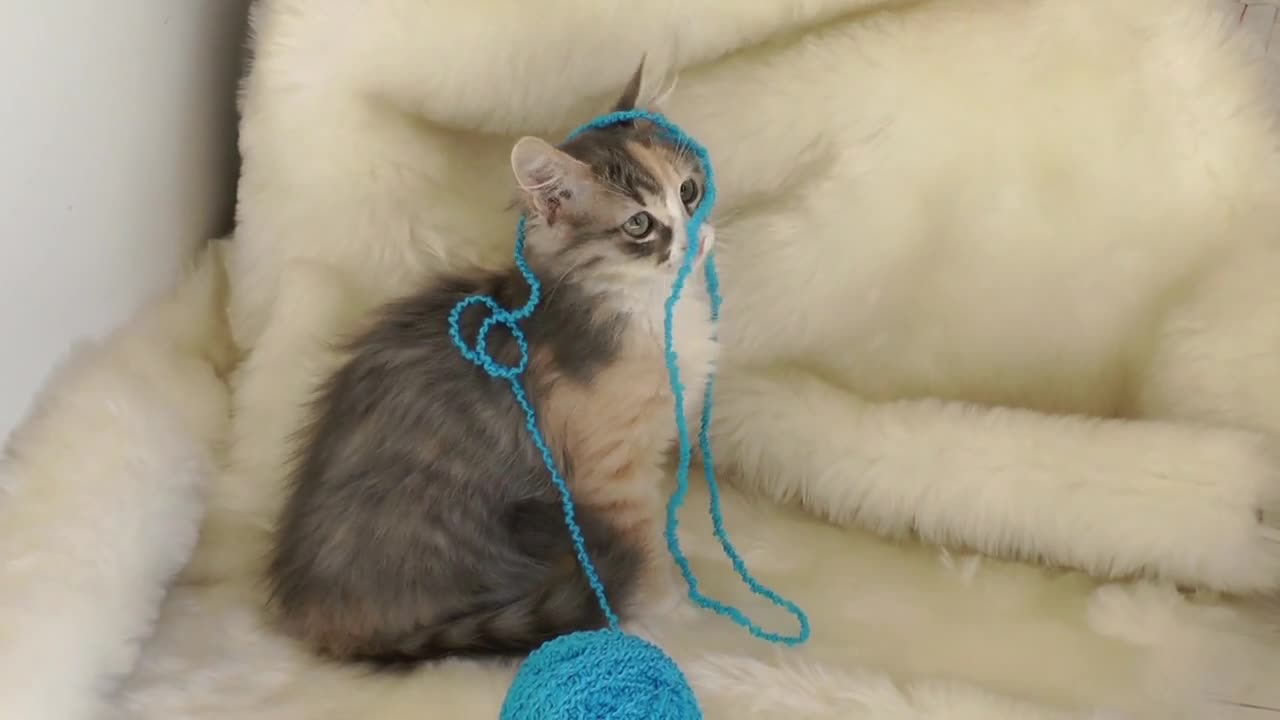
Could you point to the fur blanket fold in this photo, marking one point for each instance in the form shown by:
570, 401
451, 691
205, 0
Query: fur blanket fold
906, 189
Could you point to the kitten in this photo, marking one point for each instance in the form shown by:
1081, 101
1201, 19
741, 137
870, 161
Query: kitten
422, 522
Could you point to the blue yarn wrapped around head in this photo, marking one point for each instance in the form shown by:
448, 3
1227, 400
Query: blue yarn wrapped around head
607, 674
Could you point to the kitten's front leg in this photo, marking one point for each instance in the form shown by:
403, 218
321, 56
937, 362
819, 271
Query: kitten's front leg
634, 503
660, 587
1109, 497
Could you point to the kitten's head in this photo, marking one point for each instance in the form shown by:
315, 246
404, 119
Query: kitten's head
611, 204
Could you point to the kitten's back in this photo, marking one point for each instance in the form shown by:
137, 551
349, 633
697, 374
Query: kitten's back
422, 522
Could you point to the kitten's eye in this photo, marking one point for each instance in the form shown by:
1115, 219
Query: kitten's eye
638, 225
689, 192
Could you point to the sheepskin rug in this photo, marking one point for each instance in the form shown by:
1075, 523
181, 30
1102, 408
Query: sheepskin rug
136, 501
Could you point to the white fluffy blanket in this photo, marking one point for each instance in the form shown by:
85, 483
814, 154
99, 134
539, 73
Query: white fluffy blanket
374, 138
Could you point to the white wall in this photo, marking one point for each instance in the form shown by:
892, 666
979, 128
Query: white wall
116, 157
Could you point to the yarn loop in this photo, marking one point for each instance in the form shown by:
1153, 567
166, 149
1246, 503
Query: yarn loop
480, 353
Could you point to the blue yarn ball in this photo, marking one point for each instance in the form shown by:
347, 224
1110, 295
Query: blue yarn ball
600, 675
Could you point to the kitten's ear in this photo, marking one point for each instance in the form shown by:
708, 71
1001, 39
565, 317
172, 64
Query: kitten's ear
548, 177
631, 93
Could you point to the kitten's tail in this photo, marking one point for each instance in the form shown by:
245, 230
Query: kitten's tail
515, 624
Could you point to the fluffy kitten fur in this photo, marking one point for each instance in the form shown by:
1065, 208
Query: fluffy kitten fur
422, 521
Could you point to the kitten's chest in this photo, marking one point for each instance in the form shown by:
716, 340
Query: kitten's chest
694, 349
628, 408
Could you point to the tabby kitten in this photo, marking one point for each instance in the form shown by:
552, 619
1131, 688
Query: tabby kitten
421, 522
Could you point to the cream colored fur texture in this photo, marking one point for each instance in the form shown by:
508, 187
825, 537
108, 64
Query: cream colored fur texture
101, 496
1000, 274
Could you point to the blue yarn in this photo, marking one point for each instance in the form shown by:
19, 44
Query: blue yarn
600, 675
608, 674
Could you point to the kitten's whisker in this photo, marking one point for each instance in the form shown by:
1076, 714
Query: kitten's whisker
684, 154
